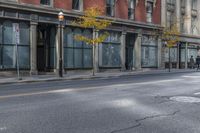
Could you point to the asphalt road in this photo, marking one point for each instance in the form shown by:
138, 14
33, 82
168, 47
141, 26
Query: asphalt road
165, 103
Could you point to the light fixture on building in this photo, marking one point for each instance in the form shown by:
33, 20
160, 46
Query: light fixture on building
61, 16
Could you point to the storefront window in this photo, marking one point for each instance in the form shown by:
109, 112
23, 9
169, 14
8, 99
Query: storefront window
77, 54
149, 51
192, 51
173, 54
183, 55
8, 46
111, 51
24, 45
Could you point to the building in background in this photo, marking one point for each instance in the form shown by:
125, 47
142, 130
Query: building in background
185, 14
130, 45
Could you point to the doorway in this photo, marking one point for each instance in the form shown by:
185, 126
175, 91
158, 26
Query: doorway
130, 41
46, 36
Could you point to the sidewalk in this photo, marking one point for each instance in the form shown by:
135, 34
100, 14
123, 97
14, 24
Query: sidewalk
84, 76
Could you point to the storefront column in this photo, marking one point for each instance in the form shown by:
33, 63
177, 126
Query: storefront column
96, 53
33, 48
186, 55
159, 52
137, 51
59, 47
122, 51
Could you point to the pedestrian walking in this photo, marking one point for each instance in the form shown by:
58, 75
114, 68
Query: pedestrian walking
198, 62
191, 62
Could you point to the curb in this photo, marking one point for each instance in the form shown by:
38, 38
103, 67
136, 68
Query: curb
90, 77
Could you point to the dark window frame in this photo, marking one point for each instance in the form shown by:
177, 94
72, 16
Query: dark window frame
149, 11
45, 2
131, 9
110, 8
76, 4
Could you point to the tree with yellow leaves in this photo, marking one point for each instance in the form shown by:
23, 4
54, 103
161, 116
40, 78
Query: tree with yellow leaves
91, 19
171, 36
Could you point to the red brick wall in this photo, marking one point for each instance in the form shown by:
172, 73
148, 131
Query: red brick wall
90, 3
121, 9
140, 11
157, 13
63, 4
34, 2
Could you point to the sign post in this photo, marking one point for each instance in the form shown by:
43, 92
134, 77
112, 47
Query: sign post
17, 41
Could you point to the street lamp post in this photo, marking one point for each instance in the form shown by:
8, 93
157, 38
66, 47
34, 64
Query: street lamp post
61, 19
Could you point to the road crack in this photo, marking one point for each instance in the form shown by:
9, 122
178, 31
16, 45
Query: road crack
139, 121
127, 128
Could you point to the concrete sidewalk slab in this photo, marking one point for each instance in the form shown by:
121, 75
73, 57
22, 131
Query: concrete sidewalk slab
44, 78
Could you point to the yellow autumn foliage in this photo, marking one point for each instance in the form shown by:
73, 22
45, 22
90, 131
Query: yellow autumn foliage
91, 19
171, 35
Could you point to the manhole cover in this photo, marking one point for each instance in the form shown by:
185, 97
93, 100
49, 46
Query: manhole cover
186, 99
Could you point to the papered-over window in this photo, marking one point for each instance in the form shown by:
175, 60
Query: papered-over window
149, 51
77, 54
8, 46
111, 51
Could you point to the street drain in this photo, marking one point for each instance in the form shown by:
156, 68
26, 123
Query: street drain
185, 99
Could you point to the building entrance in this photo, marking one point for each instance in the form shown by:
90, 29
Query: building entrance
46, 35
130, 41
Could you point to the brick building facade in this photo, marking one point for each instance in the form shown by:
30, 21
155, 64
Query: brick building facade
131, 44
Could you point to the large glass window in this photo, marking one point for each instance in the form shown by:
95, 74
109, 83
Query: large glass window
8, 46
110, 7
111, 51
149, 11
149, 51
77, 54
131, 9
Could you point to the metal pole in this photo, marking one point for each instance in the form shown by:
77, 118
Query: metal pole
93, 52
169, 60
60, 58
17, 62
